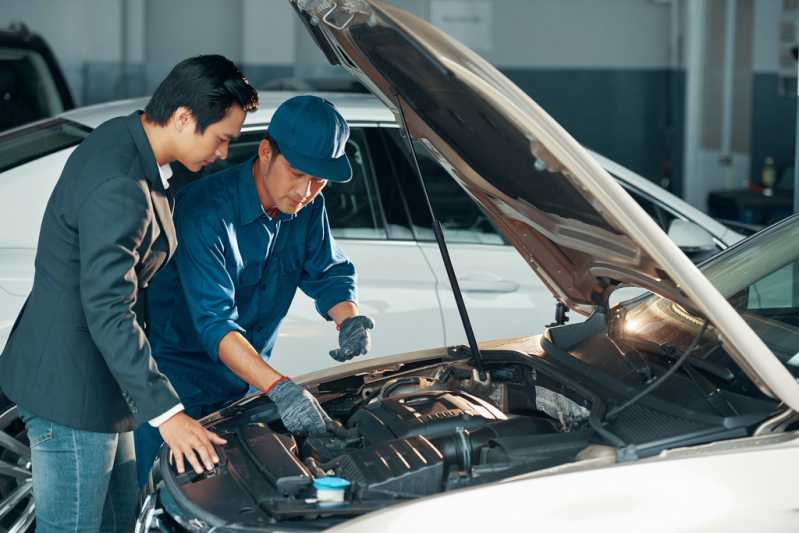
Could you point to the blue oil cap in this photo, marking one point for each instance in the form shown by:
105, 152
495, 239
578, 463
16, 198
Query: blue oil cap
331, 483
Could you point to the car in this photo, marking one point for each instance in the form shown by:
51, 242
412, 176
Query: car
671, 410
380, 213
32, 85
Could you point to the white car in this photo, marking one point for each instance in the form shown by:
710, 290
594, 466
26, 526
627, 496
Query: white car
379, 219
672, 411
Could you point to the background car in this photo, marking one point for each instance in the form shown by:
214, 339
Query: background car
32, 86
379, 219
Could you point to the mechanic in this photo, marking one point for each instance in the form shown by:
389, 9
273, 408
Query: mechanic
249, 237
78, 363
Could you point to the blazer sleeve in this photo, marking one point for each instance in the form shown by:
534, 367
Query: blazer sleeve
112, 222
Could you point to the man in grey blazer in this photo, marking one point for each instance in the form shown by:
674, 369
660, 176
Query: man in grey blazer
78, 362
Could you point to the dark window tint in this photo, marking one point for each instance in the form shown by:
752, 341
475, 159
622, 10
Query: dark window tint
27, 144
353, 207
461, 220
27, 89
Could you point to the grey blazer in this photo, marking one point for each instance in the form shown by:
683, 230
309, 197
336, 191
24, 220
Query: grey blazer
78, 354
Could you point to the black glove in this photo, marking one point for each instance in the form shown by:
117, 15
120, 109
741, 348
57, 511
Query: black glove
299, 410
353, 338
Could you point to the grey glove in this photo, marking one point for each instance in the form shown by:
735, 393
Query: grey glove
299, 410
353, 338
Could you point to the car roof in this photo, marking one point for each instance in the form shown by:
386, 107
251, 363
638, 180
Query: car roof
367, 108
353, 107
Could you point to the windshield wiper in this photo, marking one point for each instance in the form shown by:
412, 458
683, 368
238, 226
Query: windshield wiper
722, 372
711, 392
613, 413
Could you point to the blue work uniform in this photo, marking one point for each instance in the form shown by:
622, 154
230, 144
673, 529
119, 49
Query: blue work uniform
236, 268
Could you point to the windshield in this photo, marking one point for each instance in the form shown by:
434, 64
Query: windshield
760, 279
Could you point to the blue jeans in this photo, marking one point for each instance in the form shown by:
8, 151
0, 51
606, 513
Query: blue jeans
83, 481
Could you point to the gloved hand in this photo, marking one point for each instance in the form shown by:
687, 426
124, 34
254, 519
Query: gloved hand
299, 410
353, 338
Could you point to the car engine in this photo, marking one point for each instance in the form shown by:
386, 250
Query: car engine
401, 436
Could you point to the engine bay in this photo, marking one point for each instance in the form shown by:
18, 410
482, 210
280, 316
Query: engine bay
419, 436
402, 436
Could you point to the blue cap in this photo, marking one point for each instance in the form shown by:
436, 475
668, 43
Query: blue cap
312, 136
331, 483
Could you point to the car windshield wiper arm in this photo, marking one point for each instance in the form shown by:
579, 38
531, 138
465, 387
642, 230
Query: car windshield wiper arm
662, 378
722, 372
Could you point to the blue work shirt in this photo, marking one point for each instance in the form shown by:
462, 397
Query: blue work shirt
236, 269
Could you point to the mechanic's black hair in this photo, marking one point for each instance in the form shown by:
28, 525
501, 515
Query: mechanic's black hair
207, 85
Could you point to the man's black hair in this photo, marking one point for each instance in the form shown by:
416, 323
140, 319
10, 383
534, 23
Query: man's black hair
207, 85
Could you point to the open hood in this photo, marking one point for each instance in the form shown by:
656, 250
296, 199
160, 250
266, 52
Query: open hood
573, 224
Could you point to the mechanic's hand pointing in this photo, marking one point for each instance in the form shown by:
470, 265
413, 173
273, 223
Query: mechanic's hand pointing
299, 410
188, 440
354, 338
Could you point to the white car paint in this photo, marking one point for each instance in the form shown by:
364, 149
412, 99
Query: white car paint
727, 487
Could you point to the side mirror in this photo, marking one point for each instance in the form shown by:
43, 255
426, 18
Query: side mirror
690, 237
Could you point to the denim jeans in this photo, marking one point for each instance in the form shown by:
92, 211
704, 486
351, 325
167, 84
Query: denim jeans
83, 481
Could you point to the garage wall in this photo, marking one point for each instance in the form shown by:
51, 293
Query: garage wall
773, 113
111, 49
608, 71
78, 31
603, 69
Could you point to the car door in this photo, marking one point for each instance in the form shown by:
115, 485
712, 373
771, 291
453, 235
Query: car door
503, 296
396, 285
31, 160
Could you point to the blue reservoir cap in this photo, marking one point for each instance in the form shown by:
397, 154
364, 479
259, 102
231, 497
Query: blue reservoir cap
331, 483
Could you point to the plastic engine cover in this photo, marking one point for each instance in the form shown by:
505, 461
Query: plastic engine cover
426, 413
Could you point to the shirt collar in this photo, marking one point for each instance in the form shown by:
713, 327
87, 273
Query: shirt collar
250, 208
165, 171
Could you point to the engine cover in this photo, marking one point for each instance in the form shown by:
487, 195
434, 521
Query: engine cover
426, 413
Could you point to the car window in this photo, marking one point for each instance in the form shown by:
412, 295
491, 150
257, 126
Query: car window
461, 220
353, 208
663, 217
22, 145
27, 89
775, 291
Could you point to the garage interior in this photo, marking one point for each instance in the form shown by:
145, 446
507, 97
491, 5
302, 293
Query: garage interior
699, 96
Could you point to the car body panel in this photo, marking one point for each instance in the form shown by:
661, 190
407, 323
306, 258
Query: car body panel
723, 492
502, 298
396, 288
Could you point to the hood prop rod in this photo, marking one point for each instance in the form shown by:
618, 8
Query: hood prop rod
477, 357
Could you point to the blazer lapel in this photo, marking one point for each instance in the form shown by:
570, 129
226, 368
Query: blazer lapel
161, 202
163, 212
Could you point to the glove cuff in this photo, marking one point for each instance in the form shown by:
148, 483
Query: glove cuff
277, 382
